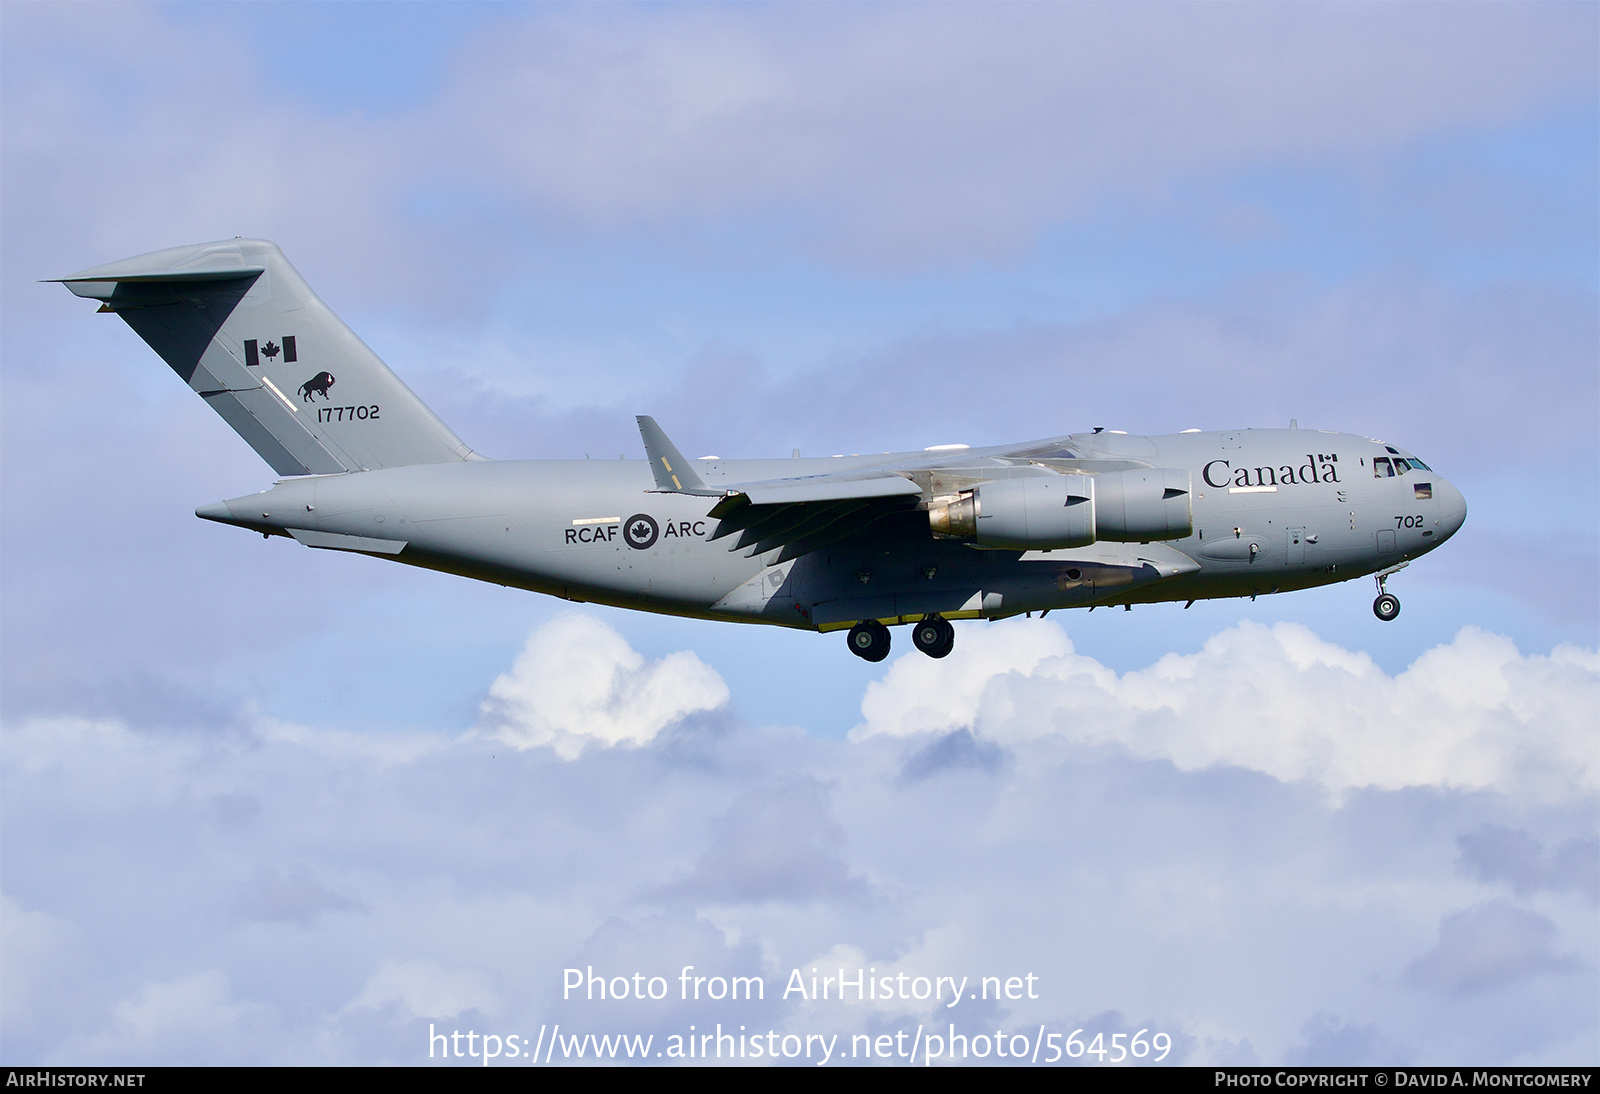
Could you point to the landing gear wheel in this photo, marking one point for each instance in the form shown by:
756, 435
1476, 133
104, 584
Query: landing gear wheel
870, 640
934, 636
1386, 607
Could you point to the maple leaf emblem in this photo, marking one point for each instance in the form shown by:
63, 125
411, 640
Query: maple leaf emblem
269, 351
640, 531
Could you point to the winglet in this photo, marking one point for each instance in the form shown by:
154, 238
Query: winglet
674, 474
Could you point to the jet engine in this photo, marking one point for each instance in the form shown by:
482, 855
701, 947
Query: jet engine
1136, 506
1048, 512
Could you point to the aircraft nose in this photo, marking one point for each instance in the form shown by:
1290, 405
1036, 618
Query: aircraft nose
1452, 508
217, 510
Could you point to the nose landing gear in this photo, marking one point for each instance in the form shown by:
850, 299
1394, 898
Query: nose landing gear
1387, 606
869, 640
934, 636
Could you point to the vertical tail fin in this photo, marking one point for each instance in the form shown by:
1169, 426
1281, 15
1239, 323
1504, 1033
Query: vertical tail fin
246, 332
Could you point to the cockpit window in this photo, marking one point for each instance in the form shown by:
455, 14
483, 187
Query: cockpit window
1382, 468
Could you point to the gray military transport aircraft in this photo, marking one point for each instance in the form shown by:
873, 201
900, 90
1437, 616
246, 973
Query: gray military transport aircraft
857, 543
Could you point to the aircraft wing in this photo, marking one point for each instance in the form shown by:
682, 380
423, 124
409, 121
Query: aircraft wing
791, 515
676, 475
804, 489
800, 515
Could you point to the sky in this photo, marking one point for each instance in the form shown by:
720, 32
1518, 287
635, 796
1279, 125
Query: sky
260, 804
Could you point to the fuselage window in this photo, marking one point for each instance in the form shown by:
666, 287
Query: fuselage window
1382, 468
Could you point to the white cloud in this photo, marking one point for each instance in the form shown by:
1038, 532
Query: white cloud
920, 695
1472, 714
578, 682
425, 989
1245, 913
193, 1017
896, 134
1490, 945
1497, 854
295, 897
34, 948
916, 130
777, 843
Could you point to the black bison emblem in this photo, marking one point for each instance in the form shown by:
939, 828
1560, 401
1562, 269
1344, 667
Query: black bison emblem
317, 385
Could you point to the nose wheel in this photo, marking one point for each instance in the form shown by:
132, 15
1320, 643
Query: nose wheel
934, 636
869, 640
1387, 606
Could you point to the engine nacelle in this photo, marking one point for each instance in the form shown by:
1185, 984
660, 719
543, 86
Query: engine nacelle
1038, 513
1136, 506
1050, 512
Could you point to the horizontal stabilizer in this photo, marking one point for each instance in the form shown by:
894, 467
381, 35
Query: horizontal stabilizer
101, 286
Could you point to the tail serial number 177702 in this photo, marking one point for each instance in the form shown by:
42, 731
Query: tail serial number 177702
346, 413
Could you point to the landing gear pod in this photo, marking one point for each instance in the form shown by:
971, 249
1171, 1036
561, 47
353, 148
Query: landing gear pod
1049, 512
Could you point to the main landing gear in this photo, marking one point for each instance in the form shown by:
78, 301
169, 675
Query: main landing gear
934, 636
869, 640
1387, 606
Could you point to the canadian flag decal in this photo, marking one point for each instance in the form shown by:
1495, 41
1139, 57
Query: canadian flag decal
253, 353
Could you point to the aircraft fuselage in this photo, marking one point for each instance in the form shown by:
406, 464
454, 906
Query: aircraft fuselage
1273, 510
859, 542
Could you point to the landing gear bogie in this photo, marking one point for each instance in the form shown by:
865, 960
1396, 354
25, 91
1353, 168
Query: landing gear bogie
934, 636
869, 640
